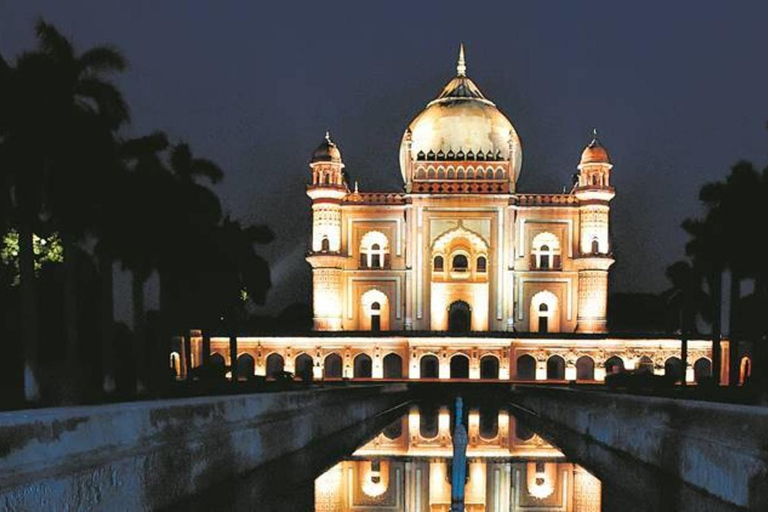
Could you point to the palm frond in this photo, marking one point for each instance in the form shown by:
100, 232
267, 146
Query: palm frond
181, 160
108, 99
102, 59
208, 169
153, 143
53, 43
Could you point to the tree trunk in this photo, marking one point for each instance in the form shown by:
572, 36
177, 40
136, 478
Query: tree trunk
29, 313
716, 291
733, 331
233, 357
206, 360
139, 331
72, 380
686, 328
107, 323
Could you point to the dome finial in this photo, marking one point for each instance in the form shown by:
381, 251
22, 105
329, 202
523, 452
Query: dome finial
328, 136
461, 67
594, 142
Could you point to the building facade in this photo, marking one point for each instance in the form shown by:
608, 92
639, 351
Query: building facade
460, 275
460, 249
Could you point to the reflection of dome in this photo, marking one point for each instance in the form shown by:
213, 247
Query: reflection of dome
595, 152
327, 151
461, 118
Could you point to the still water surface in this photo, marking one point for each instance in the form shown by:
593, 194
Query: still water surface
401, 461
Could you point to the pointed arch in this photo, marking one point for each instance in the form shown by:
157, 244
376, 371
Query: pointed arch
374, 250
333, 366
275, 365
526, 367
585, 368
489, 367
362, 366
544, 312
545, 251
429, 367
555, 368
246, 366
459, 366
393, 366
303, 367
374, 311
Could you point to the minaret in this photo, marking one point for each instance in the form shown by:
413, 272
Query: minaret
326, 191
594, 192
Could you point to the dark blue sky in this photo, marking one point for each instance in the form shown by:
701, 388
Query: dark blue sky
678, 90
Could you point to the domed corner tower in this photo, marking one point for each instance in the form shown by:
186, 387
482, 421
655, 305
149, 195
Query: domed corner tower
325, 256
594, 192
460, 143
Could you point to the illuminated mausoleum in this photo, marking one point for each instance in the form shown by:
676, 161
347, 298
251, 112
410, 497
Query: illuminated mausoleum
460, 249
460, 274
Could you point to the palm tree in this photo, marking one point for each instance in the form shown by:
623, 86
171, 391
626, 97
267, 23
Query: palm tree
688, 300
140, 234
193, 211
737, 203
84, 109
707, 252
22, 105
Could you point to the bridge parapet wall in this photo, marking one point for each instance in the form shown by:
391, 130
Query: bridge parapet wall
719, 448
146, 455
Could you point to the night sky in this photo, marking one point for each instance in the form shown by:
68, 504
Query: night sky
677, 90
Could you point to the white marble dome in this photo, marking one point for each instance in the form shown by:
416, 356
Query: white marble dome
461, 118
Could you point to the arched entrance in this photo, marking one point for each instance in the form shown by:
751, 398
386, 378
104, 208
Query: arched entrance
429, 367
526, 367
374, 311
645, 365
555, 368
459, 367
332, 367
585, 368
245, 367
702, 369
393, 366
304, 366
489, 367
275, 365
614, 364
459, 317
673, 369
363, 368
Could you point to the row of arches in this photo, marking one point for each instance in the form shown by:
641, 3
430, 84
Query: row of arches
450, 173
585, 367
459, 364
460, 263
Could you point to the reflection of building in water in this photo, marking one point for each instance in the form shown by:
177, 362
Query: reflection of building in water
407, 467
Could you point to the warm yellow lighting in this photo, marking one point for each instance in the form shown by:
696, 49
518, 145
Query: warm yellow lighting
374, 483
541, 484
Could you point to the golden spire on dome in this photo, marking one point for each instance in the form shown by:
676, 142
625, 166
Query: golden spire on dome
461, 67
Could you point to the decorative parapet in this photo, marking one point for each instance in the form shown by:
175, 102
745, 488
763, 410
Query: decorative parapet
546, 200
460, 187
375, 198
